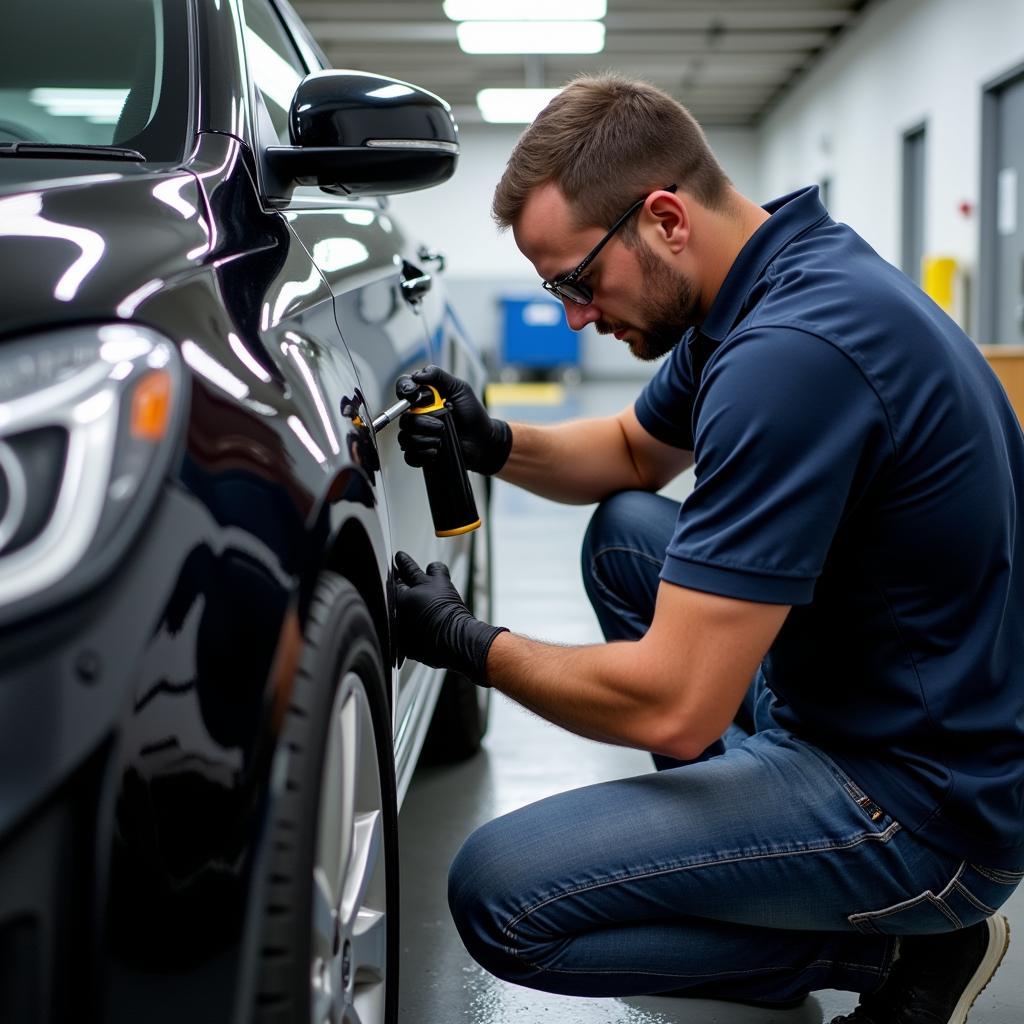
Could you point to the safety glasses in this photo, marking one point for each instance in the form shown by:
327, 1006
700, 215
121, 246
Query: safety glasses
568, 286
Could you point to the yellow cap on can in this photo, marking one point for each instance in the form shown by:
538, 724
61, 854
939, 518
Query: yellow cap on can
438, 402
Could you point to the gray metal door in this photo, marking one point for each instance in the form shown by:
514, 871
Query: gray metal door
1009, 268
913, 202
1002, 257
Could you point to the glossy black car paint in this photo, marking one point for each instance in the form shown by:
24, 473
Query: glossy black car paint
139, 713
353, 129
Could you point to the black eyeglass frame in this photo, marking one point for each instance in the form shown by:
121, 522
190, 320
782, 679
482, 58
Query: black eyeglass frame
565, 286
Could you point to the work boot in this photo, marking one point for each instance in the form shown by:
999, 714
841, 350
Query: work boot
937, 977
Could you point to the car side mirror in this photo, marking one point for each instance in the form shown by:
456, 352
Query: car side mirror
358, 134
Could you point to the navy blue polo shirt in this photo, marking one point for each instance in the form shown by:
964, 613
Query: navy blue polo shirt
856, 458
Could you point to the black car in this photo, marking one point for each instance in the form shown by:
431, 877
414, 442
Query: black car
205, 725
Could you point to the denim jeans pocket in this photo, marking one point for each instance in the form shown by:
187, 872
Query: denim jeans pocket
875, 817
973, 893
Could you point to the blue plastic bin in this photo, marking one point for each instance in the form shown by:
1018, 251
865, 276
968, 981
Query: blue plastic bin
535, 334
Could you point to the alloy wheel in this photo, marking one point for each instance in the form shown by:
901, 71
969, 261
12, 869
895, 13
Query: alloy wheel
348, 969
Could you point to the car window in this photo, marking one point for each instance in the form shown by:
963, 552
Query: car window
274, 63
101, 73
313, 57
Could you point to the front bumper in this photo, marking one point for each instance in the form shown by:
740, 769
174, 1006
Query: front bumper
132, 768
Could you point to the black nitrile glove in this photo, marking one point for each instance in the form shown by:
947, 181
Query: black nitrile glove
435, 626
485, 441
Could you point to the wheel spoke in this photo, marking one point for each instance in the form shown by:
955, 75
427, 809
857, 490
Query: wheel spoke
351, 741
332, 822
370, 945
337, 793
366, 857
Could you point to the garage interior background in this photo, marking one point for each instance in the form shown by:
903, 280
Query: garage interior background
880, 103
902, 112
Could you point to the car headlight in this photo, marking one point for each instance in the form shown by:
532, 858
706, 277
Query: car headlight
88, 420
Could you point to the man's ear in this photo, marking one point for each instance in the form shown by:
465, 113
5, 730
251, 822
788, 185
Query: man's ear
667, 213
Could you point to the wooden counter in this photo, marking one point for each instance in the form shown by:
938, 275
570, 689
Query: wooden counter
1008, 363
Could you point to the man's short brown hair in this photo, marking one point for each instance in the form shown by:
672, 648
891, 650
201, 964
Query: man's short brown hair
605, 140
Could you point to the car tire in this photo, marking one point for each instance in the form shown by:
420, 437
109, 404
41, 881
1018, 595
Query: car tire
329, 942
461, 714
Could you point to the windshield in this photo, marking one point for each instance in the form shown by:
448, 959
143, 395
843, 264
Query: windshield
96, 73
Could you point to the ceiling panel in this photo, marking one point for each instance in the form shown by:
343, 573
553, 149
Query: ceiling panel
728, 61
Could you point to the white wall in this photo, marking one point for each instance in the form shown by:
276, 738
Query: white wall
457, 214
483, 264
907, 62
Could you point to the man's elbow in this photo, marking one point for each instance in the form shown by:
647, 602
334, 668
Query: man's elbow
682, 750
684, 744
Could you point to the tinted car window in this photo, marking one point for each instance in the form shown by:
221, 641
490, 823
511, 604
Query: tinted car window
274, 63
102, 72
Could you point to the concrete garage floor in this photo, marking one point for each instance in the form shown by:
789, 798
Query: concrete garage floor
539, 593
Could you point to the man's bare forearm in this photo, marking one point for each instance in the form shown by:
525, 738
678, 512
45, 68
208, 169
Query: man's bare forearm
673, 691
577, 462
593, 691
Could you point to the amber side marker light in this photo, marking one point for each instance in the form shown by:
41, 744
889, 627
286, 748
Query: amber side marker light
151, 406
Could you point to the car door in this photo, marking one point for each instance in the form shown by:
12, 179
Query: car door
363, 257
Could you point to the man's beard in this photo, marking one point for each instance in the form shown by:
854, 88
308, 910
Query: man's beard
670, 309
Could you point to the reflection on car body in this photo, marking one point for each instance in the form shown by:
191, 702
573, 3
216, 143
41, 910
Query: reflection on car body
205, 730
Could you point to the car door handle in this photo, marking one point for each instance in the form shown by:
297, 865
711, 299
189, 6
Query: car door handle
415, 283
432, 256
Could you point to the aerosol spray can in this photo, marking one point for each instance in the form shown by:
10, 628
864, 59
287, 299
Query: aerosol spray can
452, 505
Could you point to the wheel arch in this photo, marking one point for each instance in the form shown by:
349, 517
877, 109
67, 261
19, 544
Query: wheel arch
352, 555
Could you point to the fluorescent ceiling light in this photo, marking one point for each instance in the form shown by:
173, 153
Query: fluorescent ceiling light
531, 36
526, 10
513, 106
100, 106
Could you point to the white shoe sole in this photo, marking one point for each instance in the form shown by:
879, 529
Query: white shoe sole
998, 942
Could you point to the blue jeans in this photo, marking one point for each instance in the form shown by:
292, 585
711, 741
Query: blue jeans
760, 871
